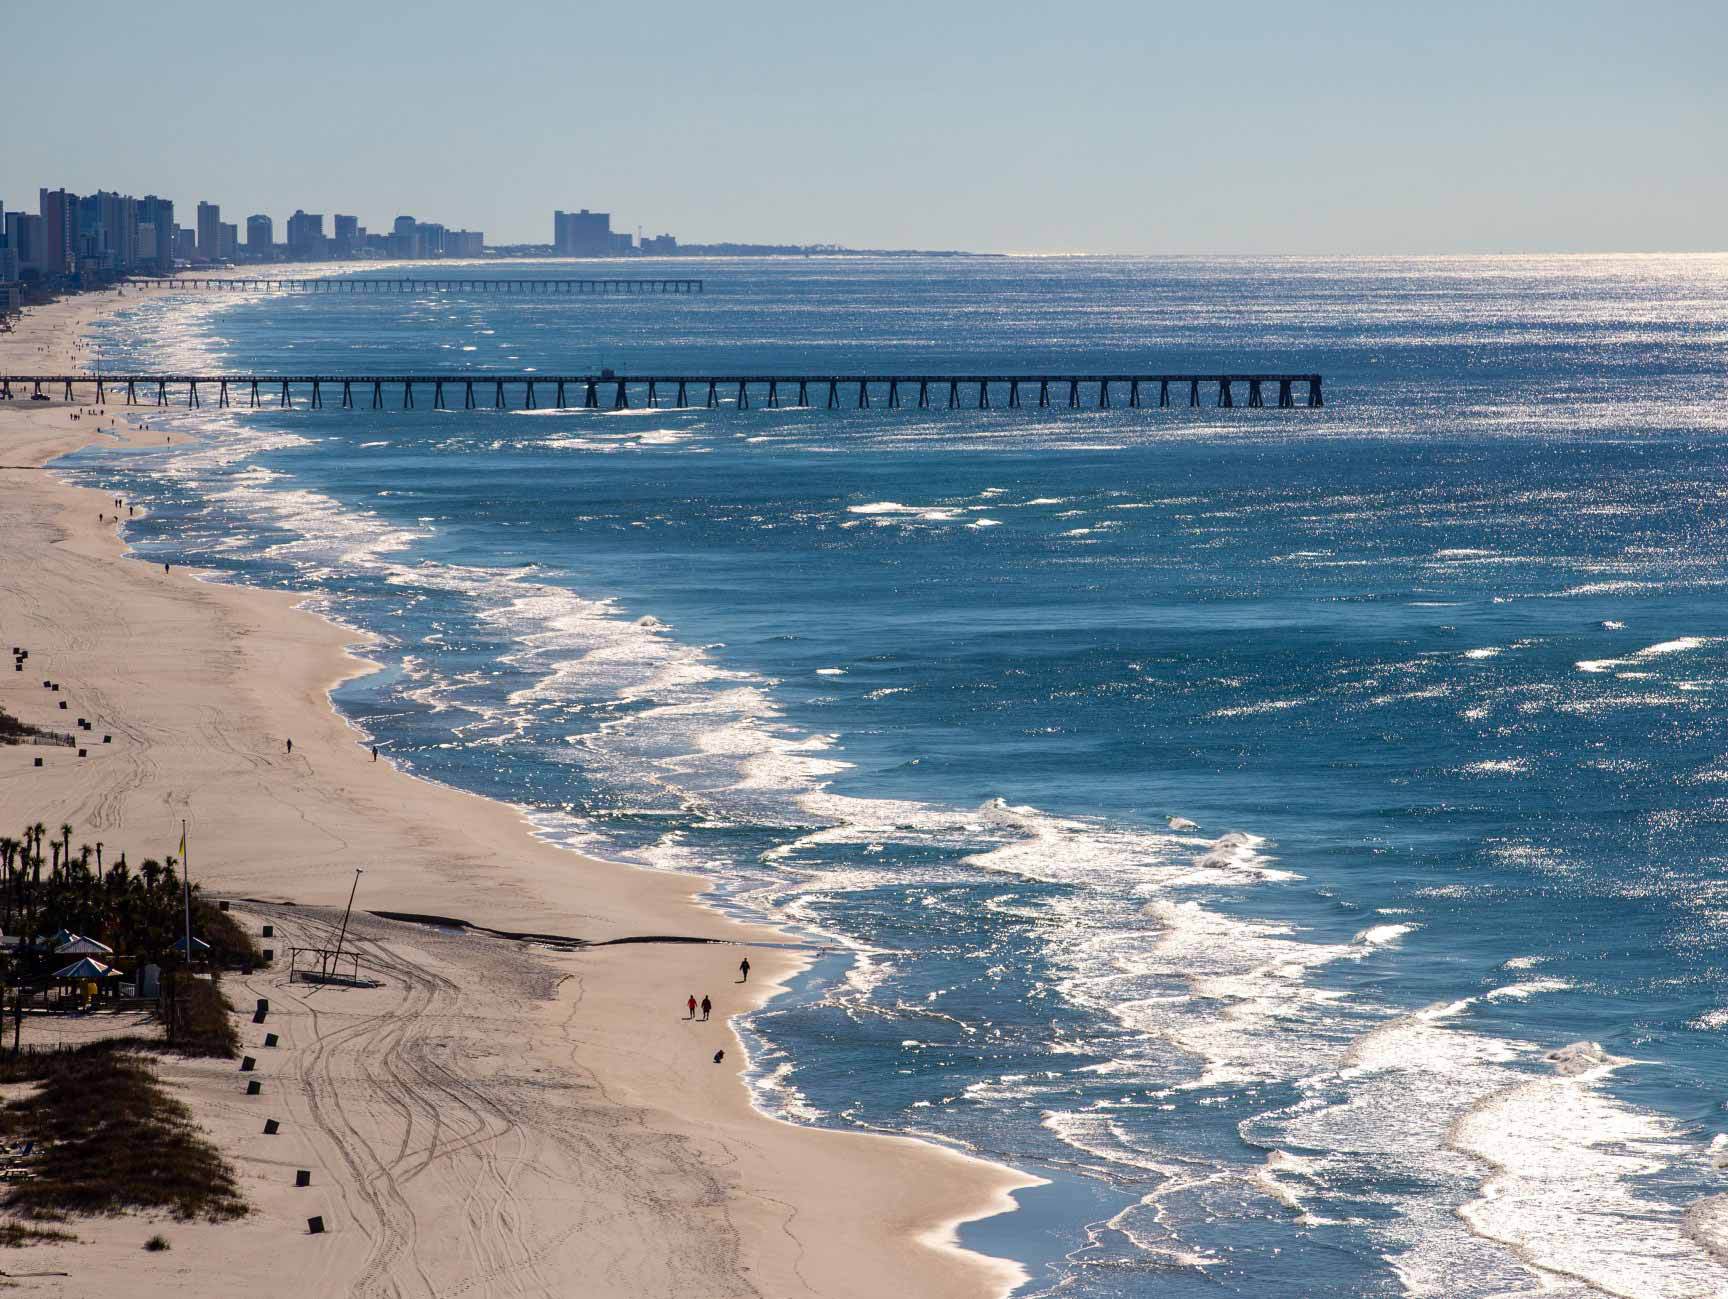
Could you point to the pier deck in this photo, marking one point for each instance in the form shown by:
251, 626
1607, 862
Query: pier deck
622, 391
463, 284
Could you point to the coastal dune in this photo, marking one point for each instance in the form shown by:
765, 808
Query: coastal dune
499, 1117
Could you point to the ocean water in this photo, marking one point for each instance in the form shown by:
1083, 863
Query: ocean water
1295, 835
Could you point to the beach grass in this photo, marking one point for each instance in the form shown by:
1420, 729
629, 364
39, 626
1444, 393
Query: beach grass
231, 947
13, 731
16, 1235
198, 1019
108, 1139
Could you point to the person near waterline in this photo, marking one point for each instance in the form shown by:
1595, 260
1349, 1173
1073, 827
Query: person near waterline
719, 1055
692, 1004
744, 970
706, 1007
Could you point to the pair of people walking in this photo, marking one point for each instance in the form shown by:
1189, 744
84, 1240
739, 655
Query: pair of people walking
707, 1006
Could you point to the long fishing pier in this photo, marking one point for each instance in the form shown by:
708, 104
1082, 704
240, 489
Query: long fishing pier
373, 284
607, 390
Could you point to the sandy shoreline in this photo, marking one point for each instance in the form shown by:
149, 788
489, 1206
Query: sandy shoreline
497, 1118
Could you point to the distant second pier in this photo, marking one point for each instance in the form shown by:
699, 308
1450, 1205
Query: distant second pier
374, 284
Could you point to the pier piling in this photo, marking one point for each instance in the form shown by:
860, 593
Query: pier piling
523, 390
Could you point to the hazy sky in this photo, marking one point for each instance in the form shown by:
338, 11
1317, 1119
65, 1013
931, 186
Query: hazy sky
1091, 125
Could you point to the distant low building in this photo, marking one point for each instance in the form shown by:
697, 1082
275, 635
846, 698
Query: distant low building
464, 243
659, 246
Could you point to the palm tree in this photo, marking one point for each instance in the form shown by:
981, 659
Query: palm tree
117, 901
8, 850
98, 854
36, 879
66, 842
21, 851
38, 830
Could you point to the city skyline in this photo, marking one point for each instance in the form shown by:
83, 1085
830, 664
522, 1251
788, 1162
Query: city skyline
75, 241
81, 240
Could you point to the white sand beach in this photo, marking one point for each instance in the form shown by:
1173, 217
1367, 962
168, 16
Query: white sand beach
499, 1118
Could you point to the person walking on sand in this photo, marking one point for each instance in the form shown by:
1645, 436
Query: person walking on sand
374, 753
290, 748
692, 1004
706, 1007
744, 970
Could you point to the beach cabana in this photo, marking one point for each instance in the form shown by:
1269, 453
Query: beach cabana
55, 939
87, 969
81, 946
198, 945
87, 975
